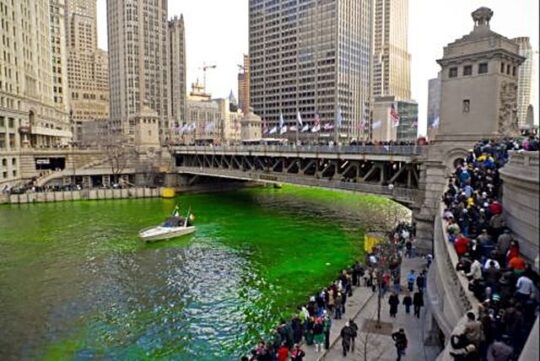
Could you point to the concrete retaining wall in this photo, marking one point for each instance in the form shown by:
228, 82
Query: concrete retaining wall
85, 194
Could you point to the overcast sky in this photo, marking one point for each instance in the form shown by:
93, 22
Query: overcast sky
217, 33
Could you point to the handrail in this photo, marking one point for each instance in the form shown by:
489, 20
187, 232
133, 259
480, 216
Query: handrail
325, 149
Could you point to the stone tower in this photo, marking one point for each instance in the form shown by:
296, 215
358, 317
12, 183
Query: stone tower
479, 84
478, 101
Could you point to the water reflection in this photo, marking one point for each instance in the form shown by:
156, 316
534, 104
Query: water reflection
76, 284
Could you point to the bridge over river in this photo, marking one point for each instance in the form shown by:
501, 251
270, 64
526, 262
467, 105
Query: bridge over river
391, 171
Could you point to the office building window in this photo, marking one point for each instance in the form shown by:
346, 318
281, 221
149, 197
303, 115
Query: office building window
482, 68
452, 73
466, 105
467, 70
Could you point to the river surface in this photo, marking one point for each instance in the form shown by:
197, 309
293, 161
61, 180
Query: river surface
77, 284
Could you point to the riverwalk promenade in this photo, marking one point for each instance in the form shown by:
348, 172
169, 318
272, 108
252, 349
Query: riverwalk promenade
377, 345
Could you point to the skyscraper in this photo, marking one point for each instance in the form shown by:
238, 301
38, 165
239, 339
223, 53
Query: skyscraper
244, 100
139, 63
311, 57
525, 81
434, 106
29, 115
59, 56
392, 61
88, 71
178, 69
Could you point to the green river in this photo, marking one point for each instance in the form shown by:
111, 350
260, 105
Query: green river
77, 284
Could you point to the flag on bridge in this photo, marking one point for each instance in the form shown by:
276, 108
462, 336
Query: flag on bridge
339, 118
317, 124
305, 128
376, 124
394, 116
299, 119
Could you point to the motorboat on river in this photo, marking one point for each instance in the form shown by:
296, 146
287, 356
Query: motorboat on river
173, 227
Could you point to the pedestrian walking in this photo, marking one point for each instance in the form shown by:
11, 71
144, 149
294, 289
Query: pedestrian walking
407, 302
338, 306
411, 278
418, 302
421, 281
327, 325
346, 338
393, 301
400, 340
354, 328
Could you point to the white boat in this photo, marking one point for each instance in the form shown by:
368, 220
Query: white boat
174, 226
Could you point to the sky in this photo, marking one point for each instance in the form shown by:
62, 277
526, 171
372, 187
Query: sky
217, 34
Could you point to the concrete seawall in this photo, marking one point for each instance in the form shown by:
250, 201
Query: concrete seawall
129, 193
85, 194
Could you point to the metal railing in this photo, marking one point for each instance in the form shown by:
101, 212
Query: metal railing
290, 148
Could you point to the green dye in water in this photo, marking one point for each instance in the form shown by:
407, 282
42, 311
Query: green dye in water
77, 283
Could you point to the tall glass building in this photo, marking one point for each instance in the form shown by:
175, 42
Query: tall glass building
312, 57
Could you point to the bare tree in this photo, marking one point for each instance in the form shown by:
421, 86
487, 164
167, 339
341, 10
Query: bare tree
119, 153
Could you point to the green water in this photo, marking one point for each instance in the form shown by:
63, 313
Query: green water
76, 284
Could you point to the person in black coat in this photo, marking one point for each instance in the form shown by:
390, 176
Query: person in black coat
407, 302
393, 301
418, 302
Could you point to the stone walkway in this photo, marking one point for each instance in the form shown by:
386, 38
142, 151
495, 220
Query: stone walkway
370, 346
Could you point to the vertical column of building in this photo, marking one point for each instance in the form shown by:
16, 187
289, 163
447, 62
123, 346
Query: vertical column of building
244, 79
139, 63
178, 70
525, 82
87, 70
353, 85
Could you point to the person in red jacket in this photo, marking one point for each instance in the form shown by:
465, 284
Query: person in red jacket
283, 353
513, 251
461, 244
495, 207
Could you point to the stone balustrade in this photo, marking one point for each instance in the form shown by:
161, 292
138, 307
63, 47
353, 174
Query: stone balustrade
520, 199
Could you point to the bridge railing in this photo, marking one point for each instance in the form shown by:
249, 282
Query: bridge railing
348, 149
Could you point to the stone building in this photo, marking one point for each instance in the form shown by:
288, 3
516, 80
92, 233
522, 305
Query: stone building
478, 101
29, 115
139, 63
479, 84
215, 121
251, 125
87, 67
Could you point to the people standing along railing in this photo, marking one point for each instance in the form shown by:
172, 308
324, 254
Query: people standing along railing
288, 148
312, 323
503, 283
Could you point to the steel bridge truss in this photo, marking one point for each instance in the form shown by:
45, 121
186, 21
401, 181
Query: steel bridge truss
396, 178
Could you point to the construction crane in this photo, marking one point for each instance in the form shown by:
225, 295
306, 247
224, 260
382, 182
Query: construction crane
204, 69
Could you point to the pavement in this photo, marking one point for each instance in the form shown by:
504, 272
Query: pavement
377, 345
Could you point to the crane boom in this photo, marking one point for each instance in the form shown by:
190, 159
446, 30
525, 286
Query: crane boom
205, 68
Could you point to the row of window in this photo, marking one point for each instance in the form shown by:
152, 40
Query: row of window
468, 70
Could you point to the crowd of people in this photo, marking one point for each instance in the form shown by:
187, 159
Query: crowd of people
311, 325
501, 279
